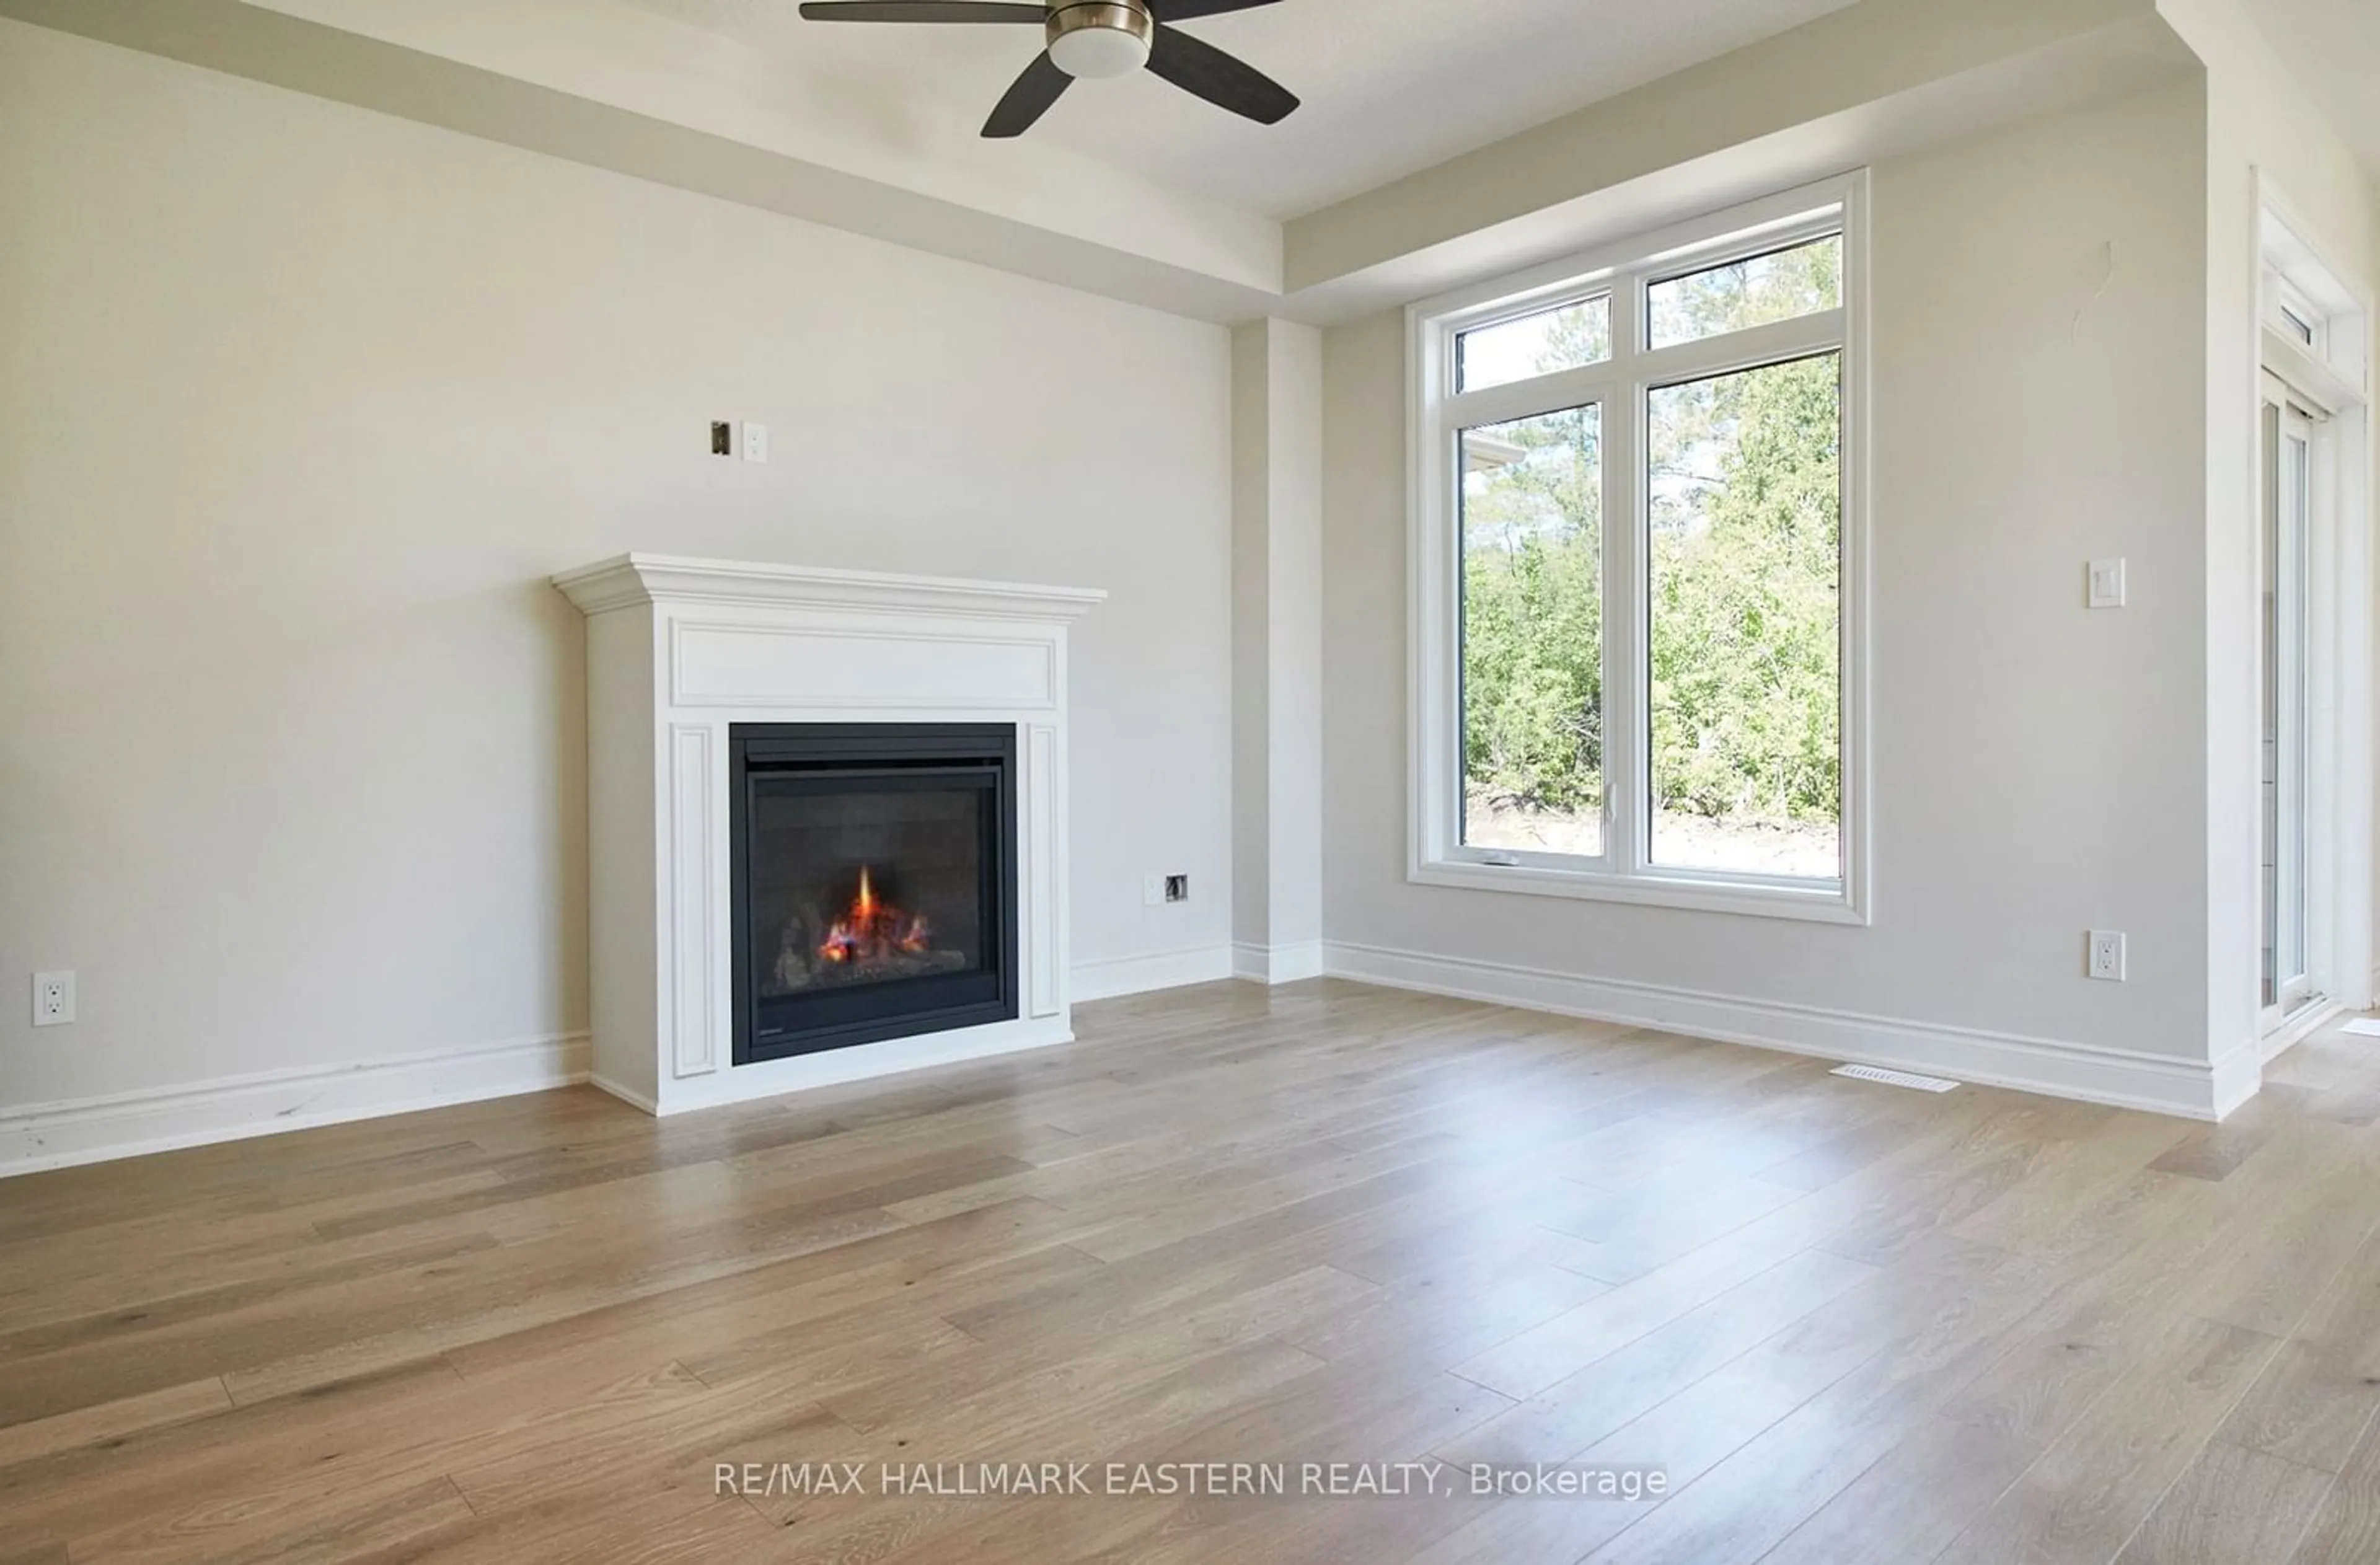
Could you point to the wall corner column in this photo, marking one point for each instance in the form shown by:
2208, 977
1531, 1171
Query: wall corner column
1276, 650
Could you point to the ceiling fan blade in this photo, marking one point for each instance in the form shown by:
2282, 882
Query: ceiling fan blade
1190, 11
1028, 99
922, 11
1202, 69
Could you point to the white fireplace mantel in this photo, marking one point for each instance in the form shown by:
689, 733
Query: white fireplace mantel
680, 651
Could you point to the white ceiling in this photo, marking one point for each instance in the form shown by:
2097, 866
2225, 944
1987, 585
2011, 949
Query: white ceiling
1390, 86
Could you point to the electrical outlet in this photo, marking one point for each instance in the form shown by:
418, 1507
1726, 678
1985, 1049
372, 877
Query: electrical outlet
54, 999
1152, 889
2107, 956
722, 438
756, 442
1177, 888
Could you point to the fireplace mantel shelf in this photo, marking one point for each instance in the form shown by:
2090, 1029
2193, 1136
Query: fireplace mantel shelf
629, 579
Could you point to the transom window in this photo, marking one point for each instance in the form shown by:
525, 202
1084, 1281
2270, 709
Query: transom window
1635, 534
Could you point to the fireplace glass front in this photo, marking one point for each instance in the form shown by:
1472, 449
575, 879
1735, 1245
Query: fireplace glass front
874, 883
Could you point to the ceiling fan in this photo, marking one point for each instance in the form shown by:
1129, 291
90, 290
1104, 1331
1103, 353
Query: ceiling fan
1090, 39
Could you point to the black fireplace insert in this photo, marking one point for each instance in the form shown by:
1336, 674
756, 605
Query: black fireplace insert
874, 891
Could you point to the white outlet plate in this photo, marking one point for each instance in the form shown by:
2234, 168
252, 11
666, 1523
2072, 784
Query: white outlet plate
54, 999
2105, 961
1153, 890
756, 442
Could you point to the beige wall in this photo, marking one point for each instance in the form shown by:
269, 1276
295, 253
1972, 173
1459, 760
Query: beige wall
2039, 770
298, 407
299, 404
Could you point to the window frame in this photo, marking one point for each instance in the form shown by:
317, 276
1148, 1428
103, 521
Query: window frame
2291, 311
1620, 386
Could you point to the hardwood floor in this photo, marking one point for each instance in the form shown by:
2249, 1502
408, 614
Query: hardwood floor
1321, 1224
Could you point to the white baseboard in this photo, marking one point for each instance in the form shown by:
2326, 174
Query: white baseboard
50, 1135
2310, 1019
2236, 1077
2091, 1073
627, 1094
125, 1125
91, 1130
1276, 963
1113, 976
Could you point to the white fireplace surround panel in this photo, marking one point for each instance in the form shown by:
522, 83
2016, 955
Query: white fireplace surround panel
679, 650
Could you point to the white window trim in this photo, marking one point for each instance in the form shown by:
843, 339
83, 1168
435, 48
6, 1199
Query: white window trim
1435, 853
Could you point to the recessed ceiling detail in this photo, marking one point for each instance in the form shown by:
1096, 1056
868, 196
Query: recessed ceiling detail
1145, 193
1388, 87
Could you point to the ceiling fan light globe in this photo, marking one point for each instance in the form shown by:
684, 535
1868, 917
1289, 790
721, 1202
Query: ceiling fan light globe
1092, 54
1090, 41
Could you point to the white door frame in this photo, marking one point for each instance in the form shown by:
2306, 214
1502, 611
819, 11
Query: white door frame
2327, 382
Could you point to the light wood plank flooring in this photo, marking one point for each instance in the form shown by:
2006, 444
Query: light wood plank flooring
1322, 1224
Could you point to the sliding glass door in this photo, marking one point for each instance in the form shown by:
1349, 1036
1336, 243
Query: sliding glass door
2287, 472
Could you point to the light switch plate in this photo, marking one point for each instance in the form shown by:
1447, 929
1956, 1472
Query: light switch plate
2106, 584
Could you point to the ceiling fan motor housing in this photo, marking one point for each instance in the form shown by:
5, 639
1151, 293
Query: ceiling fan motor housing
1106, 38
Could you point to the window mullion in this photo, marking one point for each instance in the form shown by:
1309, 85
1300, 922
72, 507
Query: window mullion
1532, 398
1707, 357
1624, 592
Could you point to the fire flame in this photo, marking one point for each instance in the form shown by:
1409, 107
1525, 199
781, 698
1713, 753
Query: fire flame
871, 929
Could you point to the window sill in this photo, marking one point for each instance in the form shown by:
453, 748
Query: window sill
1828, 903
